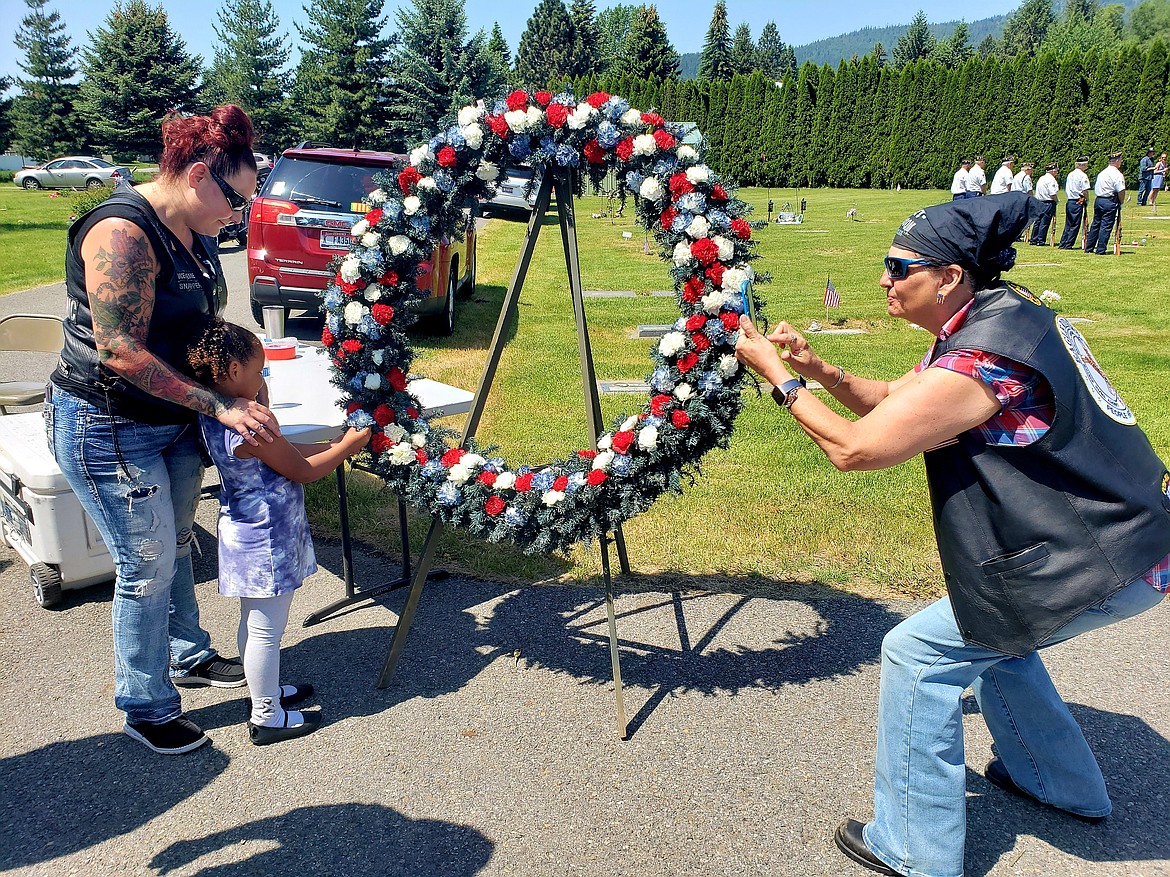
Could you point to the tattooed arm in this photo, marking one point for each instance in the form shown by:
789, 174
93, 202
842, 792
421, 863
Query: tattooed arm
120, 273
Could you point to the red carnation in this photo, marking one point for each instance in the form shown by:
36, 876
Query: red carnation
488, 478
408, 178
447, 157
715, 273
653, 119
625, 149
680, 185
700, 341
518, 100
380, 443
668, 216
730, 321
697, 322
560, 483
742, 230
594, 153
557, 115
705, 250
374, 216
412, 411
498, 124
622, 441
587, 454
664, 139
719, 193
543, 97
687, 361
596, 99
452, 456
347, 287
421, 456
383, 314
595, 477
658, 404
351, 346
327, 337
693, 290
494, 506
352, 407
524, 482
390, 278
383, 415
396, 378
680, 419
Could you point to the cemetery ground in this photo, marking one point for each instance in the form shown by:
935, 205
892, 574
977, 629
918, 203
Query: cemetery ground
751, 673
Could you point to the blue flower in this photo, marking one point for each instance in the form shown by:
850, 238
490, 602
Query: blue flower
693, 202
680, 324
523, 470
392, 209
543, 480
359, 420
495, 464
358, 382
548, 145
715, 331
567, 156
576, 482
499, 107
634, 181
434, 470
436, 143
421, 223
370, 328
615, 107
372, 261
334, 321
665, 166
565, 98
449, 494
444, 182
456, 138
514, 517
719, 219
681, 222
520, 148
661, 381
620, 464
333, 298
710, 382
608, 135
675, 130
653, 420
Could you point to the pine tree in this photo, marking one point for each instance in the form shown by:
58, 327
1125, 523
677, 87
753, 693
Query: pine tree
989, 46
251, 67
954, 51
1149, 99
546, 46
585, 58
136, 70
650, 55
879, 54
5, 113
437, 70
498, 47
1026, 28
715, 59
341, 81
743, 50
917, 42
769, 52
613, 29
43, 118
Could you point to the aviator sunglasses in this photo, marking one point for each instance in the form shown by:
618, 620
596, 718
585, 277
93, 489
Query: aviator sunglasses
235, 200
898, 268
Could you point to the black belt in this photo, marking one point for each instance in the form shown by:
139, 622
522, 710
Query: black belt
1106, 197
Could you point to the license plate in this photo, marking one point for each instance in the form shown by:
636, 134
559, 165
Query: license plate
335, 241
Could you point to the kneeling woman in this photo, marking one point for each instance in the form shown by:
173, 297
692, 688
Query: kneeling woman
1050, 511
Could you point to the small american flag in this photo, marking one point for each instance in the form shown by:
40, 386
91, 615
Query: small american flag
832, 300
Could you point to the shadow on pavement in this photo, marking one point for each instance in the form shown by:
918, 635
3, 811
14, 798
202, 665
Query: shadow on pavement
358, 840
68, 796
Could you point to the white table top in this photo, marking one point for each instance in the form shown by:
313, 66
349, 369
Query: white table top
308, 406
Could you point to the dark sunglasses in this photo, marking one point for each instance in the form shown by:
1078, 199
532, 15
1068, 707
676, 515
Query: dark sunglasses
899, 268
235, 200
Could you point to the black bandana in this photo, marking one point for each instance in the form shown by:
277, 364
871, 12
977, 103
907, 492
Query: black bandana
975, 233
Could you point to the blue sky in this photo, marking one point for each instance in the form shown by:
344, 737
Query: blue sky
799, 21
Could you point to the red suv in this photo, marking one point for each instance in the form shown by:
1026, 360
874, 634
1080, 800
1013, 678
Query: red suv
301, 219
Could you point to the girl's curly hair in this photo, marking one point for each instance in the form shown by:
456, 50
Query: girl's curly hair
215, 345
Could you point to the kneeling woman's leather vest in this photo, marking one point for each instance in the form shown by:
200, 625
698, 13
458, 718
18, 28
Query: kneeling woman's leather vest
1032, 536
184, 291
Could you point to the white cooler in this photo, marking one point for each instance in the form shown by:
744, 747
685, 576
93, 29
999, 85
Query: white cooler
41, 518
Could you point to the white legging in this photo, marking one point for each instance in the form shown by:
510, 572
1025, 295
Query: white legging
262, 624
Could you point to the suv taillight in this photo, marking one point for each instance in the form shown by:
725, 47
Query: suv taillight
272, 211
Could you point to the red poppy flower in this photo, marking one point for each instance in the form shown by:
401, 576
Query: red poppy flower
518, 100
687, 361
379, 443
408, 178
742, 230
715, 273
383, 415
396, 378
697, 322
524, 482
595, 477
596, 99
494, 506
557, 115
680, 419
664, 139
488, 478
693, 290
447, 157
653, 119
383, 314
498, 124
543, 97
625, 149
680, 185
730, 321
452, 456
700, 341
594, 153
560, 483
374, 216
622, 441
705, 250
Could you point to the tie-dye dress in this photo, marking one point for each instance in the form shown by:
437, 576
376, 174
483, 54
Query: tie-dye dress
264, 543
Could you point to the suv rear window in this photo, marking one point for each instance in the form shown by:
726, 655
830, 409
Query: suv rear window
339, 187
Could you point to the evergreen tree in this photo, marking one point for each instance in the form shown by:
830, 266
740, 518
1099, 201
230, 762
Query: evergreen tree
769, 52
498, 47
250, 67
1083, 26
437, 70
743, 50
954, 51
989, 46
650, 55
136, 70
1150, 97
917, 42
341, 81
803, 121
788, 62
1150, 20
43, 118
585, 58
5, 113
546, 46
715, 59
613, 29
879, 54
1067, 118
1026, 28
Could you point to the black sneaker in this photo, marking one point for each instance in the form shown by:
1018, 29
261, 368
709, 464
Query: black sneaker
263, 735
175, 737
217, 672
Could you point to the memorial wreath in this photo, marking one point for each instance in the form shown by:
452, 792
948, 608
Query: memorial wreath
696, 383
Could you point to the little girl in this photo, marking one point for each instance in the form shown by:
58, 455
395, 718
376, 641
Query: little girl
265, 550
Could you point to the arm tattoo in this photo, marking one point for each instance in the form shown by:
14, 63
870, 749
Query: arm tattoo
121, 306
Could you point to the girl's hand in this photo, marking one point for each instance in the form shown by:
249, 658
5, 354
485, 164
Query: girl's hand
795, 351
757, 353
251, 420
355, 439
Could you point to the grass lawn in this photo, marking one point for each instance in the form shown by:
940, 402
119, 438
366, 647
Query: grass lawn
32, 228
770, 508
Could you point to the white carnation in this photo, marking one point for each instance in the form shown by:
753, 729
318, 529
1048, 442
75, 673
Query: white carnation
728, 365
459, 473
533, 117
645, 144
376, 197
411, 204
359, 228
686, 153
714, 301
648, 437
505, 481
420, 154
370, 239
580, 117
487, 171
398, 244
473, 134
602, 460
419, 439
651, 189
672, 343
427, 183
401, 454
632, 117
698, 227
733, 279
516, 120
373, 381
469, 114
354, 311
373, 292
472, 461
698, 174
605, 442
683, 392
682, 253
351, 268
629, 423
726, 248
395, 433
552, 497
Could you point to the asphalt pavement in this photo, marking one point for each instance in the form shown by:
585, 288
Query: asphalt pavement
493, 752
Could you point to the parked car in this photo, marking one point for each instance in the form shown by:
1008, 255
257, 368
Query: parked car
238, 231
301, 220
263, 162
72, 172
510, 192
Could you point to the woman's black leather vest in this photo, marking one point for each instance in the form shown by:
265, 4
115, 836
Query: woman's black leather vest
1032, 536
184, 292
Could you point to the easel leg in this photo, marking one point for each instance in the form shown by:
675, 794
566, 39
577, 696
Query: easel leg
407, 617
619, 539
614, 658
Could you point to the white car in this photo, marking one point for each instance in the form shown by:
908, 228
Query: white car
262, 161
72, 172
510, 191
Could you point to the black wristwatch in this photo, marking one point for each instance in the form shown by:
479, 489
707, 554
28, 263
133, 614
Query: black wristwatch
785, 394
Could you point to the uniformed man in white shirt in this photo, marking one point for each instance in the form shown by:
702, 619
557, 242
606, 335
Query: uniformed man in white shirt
1001, 183
1108, 196
959, 181
1022, 182
1047, 189
976, 178
1075, 188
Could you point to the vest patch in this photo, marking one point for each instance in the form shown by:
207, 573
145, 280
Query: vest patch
1024, 293
1103, 392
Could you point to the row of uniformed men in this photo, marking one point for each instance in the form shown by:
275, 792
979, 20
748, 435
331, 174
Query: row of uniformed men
1109, 191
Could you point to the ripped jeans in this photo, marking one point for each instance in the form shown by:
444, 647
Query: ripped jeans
145, 517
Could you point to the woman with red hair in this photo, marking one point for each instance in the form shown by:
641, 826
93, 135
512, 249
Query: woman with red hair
141, 269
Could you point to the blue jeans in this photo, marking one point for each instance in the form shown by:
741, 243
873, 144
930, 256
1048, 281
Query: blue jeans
145, 513
919, 824
1143, 190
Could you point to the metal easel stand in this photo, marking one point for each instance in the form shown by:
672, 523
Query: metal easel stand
560, 179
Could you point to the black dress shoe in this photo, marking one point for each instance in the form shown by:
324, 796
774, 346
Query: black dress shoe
998, 775
852, 844
263, 735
